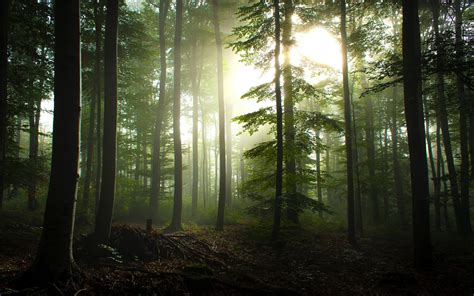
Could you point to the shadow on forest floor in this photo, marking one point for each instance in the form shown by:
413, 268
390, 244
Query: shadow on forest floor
237, 261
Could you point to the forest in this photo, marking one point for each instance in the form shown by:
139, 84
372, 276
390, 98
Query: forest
236, 147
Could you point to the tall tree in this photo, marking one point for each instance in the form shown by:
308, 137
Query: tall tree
195, 161
279, 114
463, 127
3, 92
370, 141
442, 114
178, 156
416, 133
220, 95
162, 104
107, 191
95, 97
228, 131
54, 258
288, 106
348, 130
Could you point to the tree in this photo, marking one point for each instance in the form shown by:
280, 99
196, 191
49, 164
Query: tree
107, 191
94, 99
54, 258
178, 156
162, 104
279, 113
220, 95
3, 92
416, 133
348, 130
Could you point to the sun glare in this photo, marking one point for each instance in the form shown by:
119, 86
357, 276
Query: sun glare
319, 46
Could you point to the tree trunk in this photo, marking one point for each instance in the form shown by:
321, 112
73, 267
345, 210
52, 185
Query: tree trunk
33, 116
107, 192
279, 114
443, 117
220, 87
416, 134
195, 160
178, 155
4, 12
463, 129
162, 103
369, 134
288, 106
54, 258
359, 222
92, 115
348, 130
319, 190
228, 127
397, 174
434, 176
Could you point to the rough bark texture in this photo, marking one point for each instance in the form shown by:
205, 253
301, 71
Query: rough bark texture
54, 258
178, 155
416, 134
4, 11
220, 95
348, 130
279, 113
156, 163
107, 192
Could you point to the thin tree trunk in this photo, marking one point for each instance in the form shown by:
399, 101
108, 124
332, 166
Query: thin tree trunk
463, 128
54, 258
288, 116
162, 103
279, 113
319, 191
178, 155
434, 175
220, 87
92, 115
416, 134
439, 162
195, 160
107, 192
228, 127
443, 117
4, 13
369, 134
397, 174
348, 130
359, 223
33, 116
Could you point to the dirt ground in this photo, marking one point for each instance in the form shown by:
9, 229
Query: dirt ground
239, 261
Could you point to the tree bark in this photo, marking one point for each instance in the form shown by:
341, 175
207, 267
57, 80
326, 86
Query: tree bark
107, 192
416, 134
288, 115
279, 114
228, 127
195, 160
369, 134
33, 117
348, 130
54, 258
463, 128
397, 174
4, 14
162, 103
178, 155
220, 87
92, 115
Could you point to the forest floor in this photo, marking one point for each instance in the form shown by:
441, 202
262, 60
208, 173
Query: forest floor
240, 261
